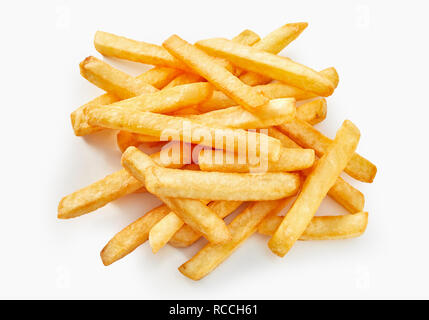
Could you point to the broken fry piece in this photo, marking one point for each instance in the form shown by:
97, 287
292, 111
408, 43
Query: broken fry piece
312, 112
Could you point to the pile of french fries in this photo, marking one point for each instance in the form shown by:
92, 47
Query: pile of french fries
224, 115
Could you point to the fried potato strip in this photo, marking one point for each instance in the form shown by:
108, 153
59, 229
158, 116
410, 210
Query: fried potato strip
315, 188
323, 227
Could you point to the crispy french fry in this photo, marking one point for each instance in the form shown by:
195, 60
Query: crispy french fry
273, 90
169, 100
215, 73
110, 188
220, 185
342, 192
274, 42
111, 45
175, 128
193, 212
323, 227
132, 236
268, 64
113, 80
312, 112
164, 230
291, 159
307, 136
241, 228
283, 110
187, 236
157, 77
315, 188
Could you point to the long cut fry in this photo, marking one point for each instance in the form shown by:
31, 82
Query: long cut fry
274, 42
175, 128
220, 77
113, 80
315, 188
309, 137
323, 227
241, 228
268, 64
220, 185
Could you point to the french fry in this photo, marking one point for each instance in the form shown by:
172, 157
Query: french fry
307, 136
193, 212
283, 110
111, 45
188, 111
315, 188
274, 42
273, 90
220, 185
312, 112
342, 192
187, 236
110, 188
169, 100
162, 232
132, 236
323, 227
215, 73
113, 80
157, 77
241, 228
290, 160
175, 128
268, 64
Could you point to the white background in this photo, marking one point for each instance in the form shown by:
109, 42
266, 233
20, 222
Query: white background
380, 51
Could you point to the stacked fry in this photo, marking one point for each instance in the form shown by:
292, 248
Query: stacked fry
224, 115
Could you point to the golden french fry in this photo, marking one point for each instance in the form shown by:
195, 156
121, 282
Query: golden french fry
290, 160
323, 227
113, 80
215, 73
273, 90
312, 112
193, 212
309, 137
188, 111
220, 185
187, 236
111, 187
132, 236
241, 228
175, 128
342, 192
157, 77
268, 64
315, 188
274, 42
169, 100
111, 45
282, 110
